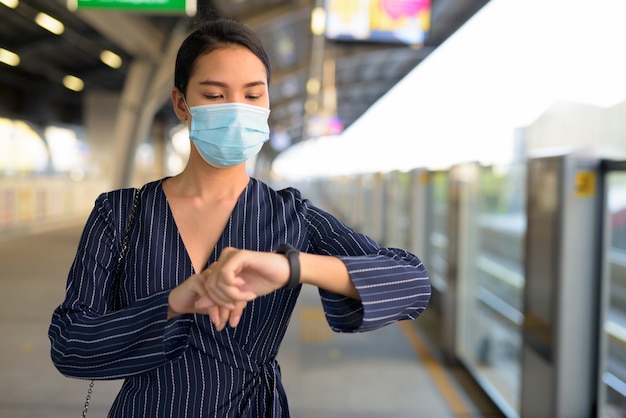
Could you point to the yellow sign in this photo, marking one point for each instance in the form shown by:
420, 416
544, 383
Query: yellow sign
585, 183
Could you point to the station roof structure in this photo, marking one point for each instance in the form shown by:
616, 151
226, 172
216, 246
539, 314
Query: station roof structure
363, 71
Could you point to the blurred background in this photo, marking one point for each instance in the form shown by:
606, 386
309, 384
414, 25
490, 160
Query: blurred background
488, 137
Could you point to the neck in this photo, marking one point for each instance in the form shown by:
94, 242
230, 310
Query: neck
205, 181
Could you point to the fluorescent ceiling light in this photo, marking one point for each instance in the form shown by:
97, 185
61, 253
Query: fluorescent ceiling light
49, 23
111, 59
9, 58
10, 3
73, 83
313, 86
318, 21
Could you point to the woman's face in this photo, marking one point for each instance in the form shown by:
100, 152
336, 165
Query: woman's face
228, 75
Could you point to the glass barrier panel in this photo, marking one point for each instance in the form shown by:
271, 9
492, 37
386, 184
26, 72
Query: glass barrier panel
491, 293
436, 254
614, 373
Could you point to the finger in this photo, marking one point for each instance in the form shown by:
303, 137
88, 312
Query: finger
203, 303
235, 314
219, 316
224, 315
182, 298
216, 285
229, 294
214, 315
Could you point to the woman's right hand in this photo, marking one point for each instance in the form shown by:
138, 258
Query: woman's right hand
192, 297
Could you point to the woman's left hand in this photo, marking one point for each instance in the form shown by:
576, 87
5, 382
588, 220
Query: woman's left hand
239, 276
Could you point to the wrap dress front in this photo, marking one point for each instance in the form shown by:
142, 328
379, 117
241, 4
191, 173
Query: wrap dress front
183, 367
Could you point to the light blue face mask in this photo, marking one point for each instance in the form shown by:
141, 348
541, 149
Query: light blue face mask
228, 134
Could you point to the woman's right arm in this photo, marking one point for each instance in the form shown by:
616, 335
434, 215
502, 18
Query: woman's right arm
88, 338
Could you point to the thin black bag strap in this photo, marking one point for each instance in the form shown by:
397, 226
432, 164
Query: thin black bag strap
117, 277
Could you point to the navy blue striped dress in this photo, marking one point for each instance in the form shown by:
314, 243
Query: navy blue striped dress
183, 367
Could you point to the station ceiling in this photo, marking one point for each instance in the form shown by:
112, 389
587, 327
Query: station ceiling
363, 72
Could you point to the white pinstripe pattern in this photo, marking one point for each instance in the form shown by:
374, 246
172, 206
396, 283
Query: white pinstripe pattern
184, 367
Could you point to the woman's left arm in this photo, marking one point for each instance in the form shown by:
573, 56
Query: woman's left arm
391, 284
363, 286
328, 273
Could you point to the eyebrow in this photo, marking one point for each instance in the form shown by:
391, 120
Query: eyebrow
220, 84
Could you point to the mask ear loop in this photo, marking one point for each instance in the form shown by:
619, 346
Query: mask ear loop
185, 101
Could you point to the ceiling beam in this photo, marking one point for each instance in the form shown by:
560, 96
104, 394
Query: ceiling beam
131, 32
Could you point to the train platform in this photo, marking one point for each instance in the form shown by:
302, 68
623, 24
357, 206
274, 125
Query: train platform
393, 372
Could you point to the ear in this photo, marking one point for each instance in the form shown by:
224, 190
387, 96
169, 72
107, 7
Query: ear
179, 104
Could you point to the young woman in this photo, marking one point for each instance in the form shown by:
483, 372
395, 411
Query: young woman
216, 260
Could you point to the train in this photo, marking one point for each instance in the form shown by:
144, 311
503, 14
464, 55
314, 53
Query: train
469, 223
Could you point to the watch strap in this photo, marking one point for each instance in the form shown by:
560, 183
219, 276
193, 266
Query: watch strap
292, 255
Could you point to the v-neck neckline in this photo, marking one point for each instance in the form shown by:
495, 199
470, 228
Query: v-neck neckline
219, 243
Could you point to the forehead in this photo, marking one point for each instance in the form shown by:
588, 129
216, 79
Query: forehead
229, 63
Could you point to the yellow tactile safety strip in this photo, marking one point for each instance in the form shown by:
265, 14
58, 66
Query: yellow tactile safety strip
438, 372
313, 326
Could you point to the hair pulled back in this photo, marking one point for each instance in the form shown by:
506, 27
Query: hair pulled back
212, 35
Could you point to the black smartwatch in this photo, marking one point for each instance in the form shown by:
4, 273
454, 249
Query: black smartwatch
292, 255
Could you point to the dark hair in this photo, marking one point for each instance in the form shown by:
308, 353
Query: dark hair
213, 35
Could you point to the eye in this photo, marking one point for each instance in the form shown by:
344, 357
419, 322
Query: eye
213, 96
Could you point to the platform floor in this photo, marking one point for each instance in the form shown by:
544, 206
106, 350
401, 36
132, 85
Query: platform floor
393, 372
